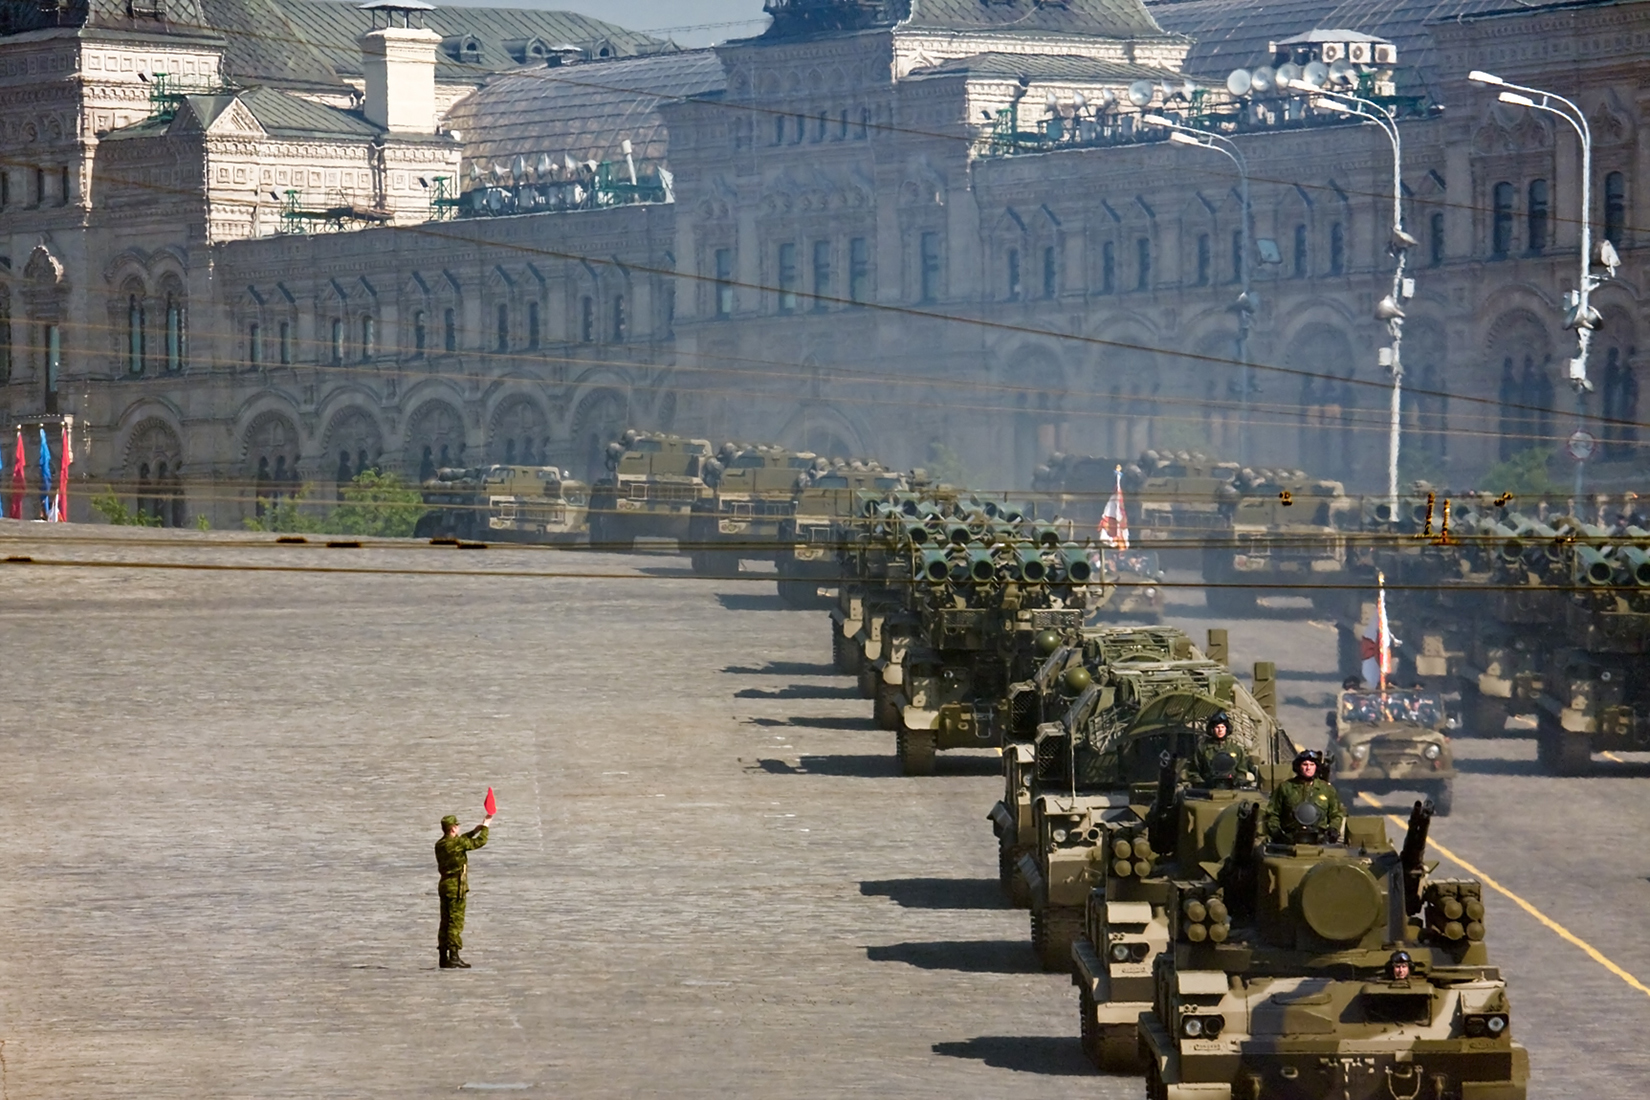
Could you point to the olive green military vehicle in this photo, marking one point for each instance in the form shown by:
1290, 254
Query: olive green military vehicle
1397, 739
1280, 980
529, 504
1173, 499
655, 481
1139, 577
753, 493
1284, 532
823, 523
1151, 692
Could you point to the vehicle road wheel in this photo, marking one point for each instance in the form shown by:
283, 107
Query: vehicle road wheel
1116, 1048
702, 563
915, 749
869, 678
1237, 602
1482, 715
887, 710
1443, 798
1155, 1089
1563, 753
1061, 926
1014, 885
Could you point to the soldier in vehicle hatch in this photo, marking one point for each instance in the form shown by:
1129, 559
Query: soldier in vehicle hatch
1304, 808
1219, 760
452, 860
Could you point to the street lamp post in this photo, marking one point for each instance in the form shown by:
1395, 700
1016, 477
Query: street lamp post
1579, 314
1181, 134
1389, 308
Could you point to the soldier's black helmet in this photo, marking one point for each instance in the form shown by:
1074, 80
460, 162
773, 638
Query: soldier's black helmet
1218, 718
1308, 754
1398, 957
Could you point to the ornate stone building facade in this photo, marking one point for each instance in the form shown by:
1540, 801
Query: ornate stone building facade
861, 250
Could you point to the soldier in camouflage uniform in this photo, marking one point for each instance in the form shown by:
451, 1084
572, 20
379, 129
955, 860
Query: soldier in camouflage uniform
453, 862
1206, 769
1304, 786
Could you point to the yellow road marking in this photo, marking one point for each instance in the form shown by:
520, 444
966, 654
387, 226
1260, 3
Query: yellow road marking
1613, 756
1557, 929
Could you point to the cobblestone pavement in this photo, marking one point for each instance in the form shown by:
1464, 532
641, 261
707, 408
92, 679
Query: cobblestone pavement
222, 789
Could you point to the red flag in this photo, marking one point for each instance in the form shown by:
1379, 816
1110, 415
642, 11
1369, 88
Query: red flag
490, 804
19, 480
63, 479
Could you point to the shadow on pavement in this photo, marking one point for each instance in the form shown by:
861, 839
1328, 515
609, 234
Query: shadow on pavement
1497, 765
664, 570
1052, 1055
1302, 674
937, 893
784, 668
802, 691
752, 601
967, 956
859, 767
858, 725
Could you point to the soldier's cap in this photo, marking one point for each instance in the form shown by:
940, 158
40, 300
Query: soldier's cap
1304, 755
1218, 718
449, 820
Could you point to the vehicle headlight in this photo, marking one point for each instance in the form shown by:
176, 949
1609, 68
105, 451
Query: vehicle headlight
1432, 752
1151, 593
1121, 952
1202, 1027
1192, 1027
1059, 836
1360, 752
1495, 1025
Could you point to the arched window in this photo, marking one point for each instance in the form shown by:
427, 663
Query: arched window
337, 340
1435, 241
285, 337
503, 343
1337, 249
5, 339
254, 345
369, 337
1615, 207
621, 319
176, 334
1501, 225
1203, 259
420, 335
449, 329
1536, 215
134, 334
587, 319
533, 325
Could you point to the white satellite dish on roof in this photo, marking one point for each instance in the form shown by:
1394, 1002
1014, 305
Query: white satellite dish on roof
1140, 92
1288, 73
545, 166
1239, 81
1342, 71
1080, 101
1108, 98
1316, 74
1263, 80
518, 167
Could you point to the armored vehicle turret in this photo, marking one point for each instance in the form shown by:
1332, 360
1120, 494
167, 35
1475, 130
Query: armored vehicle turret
1338, 968
529, 504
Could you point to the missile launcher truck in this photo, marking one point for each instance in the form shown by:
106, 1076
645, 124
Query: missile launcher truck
1283, 531
1278, 981
814, 539
653, 484
753, 493
527, 504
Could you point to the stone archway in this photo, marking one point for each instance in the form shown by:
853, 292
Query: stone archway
599, 418
271, 464
154, 470
355, 441
1328, 436
435, 438
1520, 359
520, 433
1037, 394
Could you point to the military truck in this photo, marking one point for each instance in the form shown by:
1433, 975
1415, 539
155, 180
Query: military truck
1391, 740
1139, 578
654, 482
826, 517
753, 492
1278, 981
1285, 533
1151, 693
528, 504
1175, 499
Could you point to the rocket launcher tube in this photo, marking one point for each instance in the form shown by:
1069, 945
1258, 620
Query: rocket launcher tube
1593, 567
1413, 858
1160, 830
1636, 563
1032, 567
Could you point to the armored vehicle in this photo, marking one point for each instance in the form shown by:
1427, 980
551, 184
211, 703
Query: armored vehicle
822, 524
650, 493
1150, 692
1139, 578
1397, 739
753, 492
531, 504
1283, 531
1174, 499
1336, 968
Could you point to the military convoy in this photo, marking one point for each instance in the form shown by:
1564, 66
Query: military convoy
1389, 740
653, 483
753, 492
529, 504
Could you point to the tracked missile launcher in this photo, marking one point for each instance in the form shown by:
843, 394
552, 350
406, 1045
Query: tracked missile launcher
654, 480
753, 493
1280, 977
528, 504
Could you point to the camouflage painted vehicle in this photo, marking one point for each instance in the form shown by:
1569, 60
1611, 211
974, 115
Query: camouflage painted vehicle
650, 493
753, 493
528, 504
1174, 499
1139, 578
1278, 980
1284, 531
1383, 741
1150, 692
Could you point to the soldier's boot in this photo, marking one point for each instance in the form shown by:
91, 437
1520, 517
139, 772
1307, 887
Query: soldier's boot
446, 958
456, 961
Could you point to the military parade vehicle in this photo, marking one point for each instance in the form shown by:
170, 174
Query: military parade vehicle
529, 504
1329, 966
654, 482
824, 521
753, 492
1389, 740
1149, 692
1139, 578
1283, 533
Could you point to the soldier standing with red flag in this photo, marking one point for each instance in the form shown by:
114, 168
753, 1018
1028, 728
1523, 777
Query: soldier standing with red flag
452, 860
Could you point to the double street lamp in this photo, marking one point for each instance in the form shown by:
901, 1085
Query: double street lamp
1579, 312
1182, 134
1388, 309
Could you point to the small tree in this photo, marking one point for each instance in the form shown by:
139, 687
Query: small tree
113, 509
285, 515
945, 465
1525, 474
377, 504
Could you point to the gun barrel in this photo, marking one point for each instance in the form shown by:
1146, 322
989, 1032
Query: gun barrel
1162, 828
1413, 858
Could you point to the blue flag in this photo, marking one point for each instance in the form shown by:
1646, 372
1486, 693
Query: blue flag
48, 499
